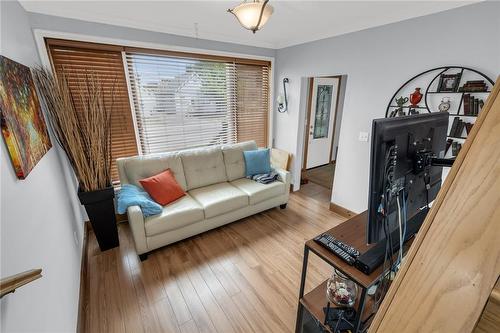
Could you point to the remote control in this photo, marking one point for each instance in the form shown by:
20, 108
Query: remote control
347, 248
335, 249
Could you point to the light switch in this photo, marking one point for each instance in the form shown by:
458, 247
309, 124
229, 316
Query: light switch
363, 136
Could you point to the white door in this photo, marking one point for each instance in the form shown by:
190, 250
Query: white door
322, 117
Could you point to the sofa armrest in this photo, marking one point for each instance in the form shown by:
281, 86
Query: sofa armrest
136, 221
285, 177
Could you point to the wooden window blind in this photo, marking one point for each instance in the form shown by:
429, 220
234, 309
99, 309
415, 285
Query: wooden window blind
76, 59
184, 101
252, 83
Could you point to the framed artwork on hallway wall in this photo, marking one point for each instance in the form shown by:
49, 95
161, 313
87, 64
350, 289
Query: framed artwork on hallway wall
23, 126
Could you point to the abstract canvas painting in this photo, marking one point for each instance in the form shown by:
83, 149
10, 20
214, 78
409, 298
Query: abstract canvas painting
23, 126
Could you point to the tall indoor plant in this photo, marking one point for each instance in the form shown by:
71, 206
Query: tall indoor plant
84, 133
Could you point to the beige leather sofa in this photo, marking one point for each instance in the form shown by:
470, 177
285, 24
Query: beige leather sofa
217, 193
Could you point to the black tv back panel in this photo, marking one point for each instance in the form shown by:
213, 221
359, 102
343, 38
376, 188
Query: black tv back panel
374, 257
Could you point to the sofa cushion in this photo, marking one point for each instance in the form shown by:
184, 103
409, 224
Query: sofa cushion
163, 187
234, 160
140, 167
258, 192
257, 162
219, 198
176, 215
203, 167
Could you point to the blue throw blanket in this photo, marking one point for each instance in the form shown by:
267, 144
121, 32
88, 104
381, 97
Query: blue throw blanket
131, 195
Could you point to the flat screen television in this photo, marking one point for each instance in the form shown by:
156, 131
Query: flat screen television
402, 177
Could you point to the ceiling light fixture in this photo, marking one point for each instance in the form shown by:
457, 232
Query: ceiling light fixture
252, 15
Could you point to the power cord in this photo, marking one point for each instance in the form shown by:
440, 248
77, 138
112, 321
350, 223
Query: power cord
383, 210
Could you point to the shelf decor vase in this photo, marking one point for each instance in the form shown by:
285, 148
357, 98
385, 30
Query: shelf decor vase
401, 101
415, 97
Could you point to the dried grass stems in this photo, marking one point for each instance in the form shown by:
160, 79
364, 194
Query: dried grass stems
81, 121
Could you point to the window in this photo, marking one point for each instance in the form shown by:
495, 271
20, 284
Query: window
323, 110
186, 102
178, 100
76, 60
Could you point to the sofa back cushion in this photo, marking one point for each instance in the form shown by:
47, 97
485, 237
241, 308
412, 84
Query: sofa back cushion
234, 160
132, 169
203, 166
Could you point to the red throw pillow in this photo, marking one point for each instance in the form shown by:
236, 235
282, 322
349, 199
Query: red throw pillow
163, 187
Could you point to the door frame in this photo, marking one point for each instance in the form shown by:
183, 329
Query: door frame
308, 117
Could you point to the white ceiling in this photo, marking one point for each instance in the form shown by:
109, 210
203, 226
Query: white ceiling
293, 22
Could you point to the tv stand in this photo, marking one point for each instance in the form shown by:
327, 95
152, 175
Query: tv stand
353, 232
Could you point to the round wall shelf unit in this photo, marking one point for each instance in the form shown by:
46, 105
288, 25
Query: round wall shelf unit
461, 91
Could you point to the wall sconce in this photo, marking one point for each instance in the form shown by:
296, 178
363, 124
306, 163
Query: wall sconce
282, 100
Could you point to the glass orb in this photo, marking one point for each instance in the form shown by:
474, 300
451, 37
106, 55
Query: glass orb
340, 290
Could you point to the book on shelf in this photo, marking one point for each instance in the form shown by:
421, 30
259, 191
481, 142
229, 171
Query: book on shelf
474, 86
467, 104
481, 104
468, 127
474, 89
448, 145
455, 148
460, 129
454, 126
476, 106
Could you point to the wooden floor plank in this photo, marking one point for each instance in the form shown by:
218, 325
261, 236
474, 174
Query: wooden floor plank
149, 317
322, 175
198, 312
189, 327
242, 277
128, 297
166, 317
217, 315
172, 290
222, 297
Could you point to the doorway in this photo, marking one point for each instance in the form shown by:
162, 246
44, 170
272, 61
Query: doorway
321, 131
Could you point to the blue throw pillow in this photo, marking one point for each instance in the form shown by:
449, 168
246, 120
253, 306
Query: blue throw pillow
131, 195
257, 162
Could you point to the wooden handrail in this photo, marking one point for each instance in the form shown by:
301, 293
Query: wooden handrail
11, 283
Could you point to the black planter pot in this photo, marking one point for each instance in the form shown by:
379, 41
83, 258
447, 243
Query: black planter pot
100, 208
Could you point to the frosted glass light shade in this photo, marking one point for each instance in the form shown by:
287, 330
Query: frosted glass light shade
248, 14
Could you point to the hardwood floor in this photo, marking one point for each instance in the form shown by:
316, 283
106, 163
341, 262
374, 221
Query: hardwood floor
242, 277
322, 175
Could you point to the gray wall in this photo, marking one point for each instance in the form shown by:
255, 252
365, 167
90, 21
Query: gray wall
377, 61
39, 226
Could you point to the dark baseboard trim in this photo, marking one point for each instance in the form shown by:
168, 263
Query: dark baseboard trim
84, 290
341, 210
